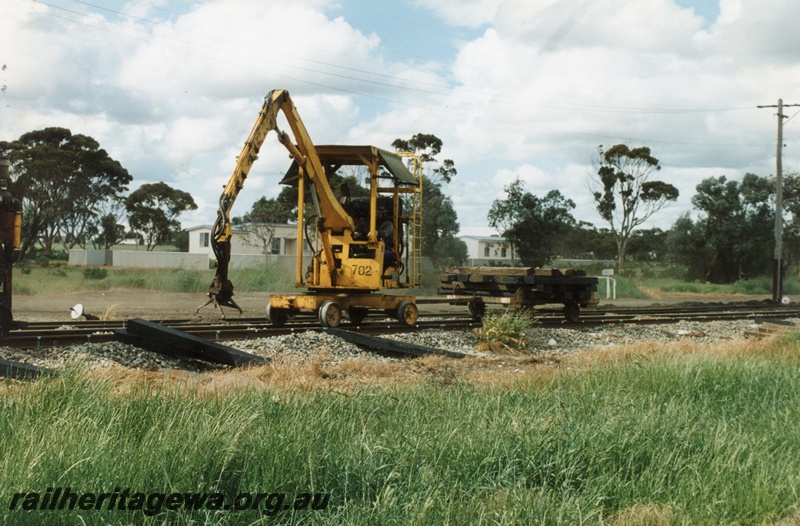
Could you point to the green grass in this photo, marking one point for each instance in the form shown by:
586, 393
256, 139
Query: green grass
504, 331
705, 439
30, 279
143, 248
36, 280
627, 287
274, 278
753, 286
637, 279
632, 282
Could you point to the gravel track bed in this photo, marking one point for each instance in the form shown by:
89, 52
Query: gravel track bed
98, 355
332, 350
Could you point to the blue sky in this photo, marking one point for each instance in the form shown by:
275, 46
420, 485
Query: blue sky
708, 9
514, 88
405, 29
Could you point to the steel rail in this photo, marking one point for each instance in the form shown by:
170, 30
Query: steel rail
59, 334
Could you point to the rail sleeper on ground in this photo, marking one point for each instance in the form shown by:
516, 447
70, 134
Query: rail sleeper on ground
306, 345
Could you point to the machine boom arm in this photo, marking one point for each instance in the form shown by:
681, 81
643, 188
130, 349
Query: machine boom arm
302, 150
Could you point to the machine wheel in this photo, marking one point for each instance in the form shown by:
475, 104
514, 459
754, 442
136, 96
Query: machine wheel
357, 314
477, 308
330, 314
572, 312
277, 317
407, 313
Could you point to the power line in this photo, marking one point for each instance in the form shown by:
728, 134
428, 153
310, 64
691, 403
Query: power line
442, 90
392, 81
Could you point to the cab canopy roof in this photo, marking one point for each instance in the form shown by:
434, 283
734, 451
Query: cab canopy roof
334, 157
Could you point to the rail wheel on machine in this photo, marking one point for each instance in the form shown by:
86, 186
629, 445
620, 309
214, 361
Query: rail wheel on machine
276, 317
407, 313
572, 312
357, 314
330, 314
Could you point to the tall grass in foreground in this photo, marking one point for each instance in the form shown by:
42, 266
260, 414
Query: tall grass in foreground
696, 439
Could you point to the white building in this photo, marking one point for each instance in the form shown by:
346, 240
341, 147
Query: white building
487, 251
269, 239
281, 239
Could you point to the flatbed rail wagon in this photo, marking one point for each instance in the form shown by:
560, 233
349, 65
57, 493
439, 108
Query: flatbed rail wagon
519, 288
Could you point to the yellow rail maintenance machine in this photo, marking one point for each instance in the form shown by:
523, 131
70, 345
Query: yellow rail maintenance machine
358, 247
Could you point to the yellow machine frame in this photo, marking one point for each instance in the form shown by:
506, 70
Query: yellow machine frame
348, 265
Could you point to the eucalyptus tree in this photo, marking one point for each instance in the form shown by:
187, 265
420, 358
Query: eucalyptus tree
66, 178
154, 209
624, 193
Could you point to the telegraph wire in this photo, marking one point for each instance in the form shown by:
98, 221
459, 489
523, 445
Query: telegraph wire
426, 107
474, 94
549, 103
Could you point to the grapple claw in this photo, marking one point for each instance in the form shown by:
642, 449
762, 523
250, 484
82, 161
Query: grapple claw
220, 296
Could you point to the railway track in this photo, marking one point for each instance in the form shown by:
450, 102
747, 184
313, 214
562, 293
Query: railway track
55, 334
204, 341
63, 333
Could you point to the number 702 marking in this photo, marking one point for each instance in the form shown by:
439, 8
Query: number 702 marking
362, 270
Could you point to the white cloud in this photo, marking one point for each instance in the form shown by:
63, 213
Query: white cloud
758, 32
173, 96
652, 26
226, 49
470, 13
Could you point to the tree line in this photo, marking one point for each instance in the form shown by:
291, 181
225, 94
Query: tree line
77, 195
728, 236
74, 194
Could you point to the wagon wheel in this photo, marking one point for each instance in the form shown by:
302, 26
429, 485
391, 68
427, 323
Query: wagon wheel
477, 308
572, 312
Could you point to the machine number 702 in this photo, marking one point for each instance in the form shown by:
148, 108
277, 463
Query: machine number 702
362, 270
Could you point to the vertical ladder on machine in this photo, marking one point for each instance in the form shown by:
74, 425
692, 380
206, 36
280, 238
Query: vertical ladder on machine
415, 272
416, 243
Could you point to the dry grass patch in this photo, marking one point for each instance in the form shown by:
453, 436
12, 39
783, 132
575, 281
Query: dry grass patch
141, 382
321, 373
790, 520
644, 515
777, 346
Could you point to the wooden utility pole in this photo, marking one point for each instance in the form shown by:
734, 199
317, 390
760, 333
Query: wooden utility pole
777, 269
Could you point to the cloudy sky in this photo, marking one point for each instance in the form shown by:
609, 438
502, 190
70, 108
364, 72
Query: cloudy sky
525, 88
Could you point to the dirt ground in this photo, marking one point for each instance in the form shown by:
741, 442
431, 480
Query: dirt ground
124, 304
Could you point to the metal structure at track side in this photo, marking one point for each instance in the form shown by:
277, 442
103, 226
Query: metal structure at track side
10, 229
